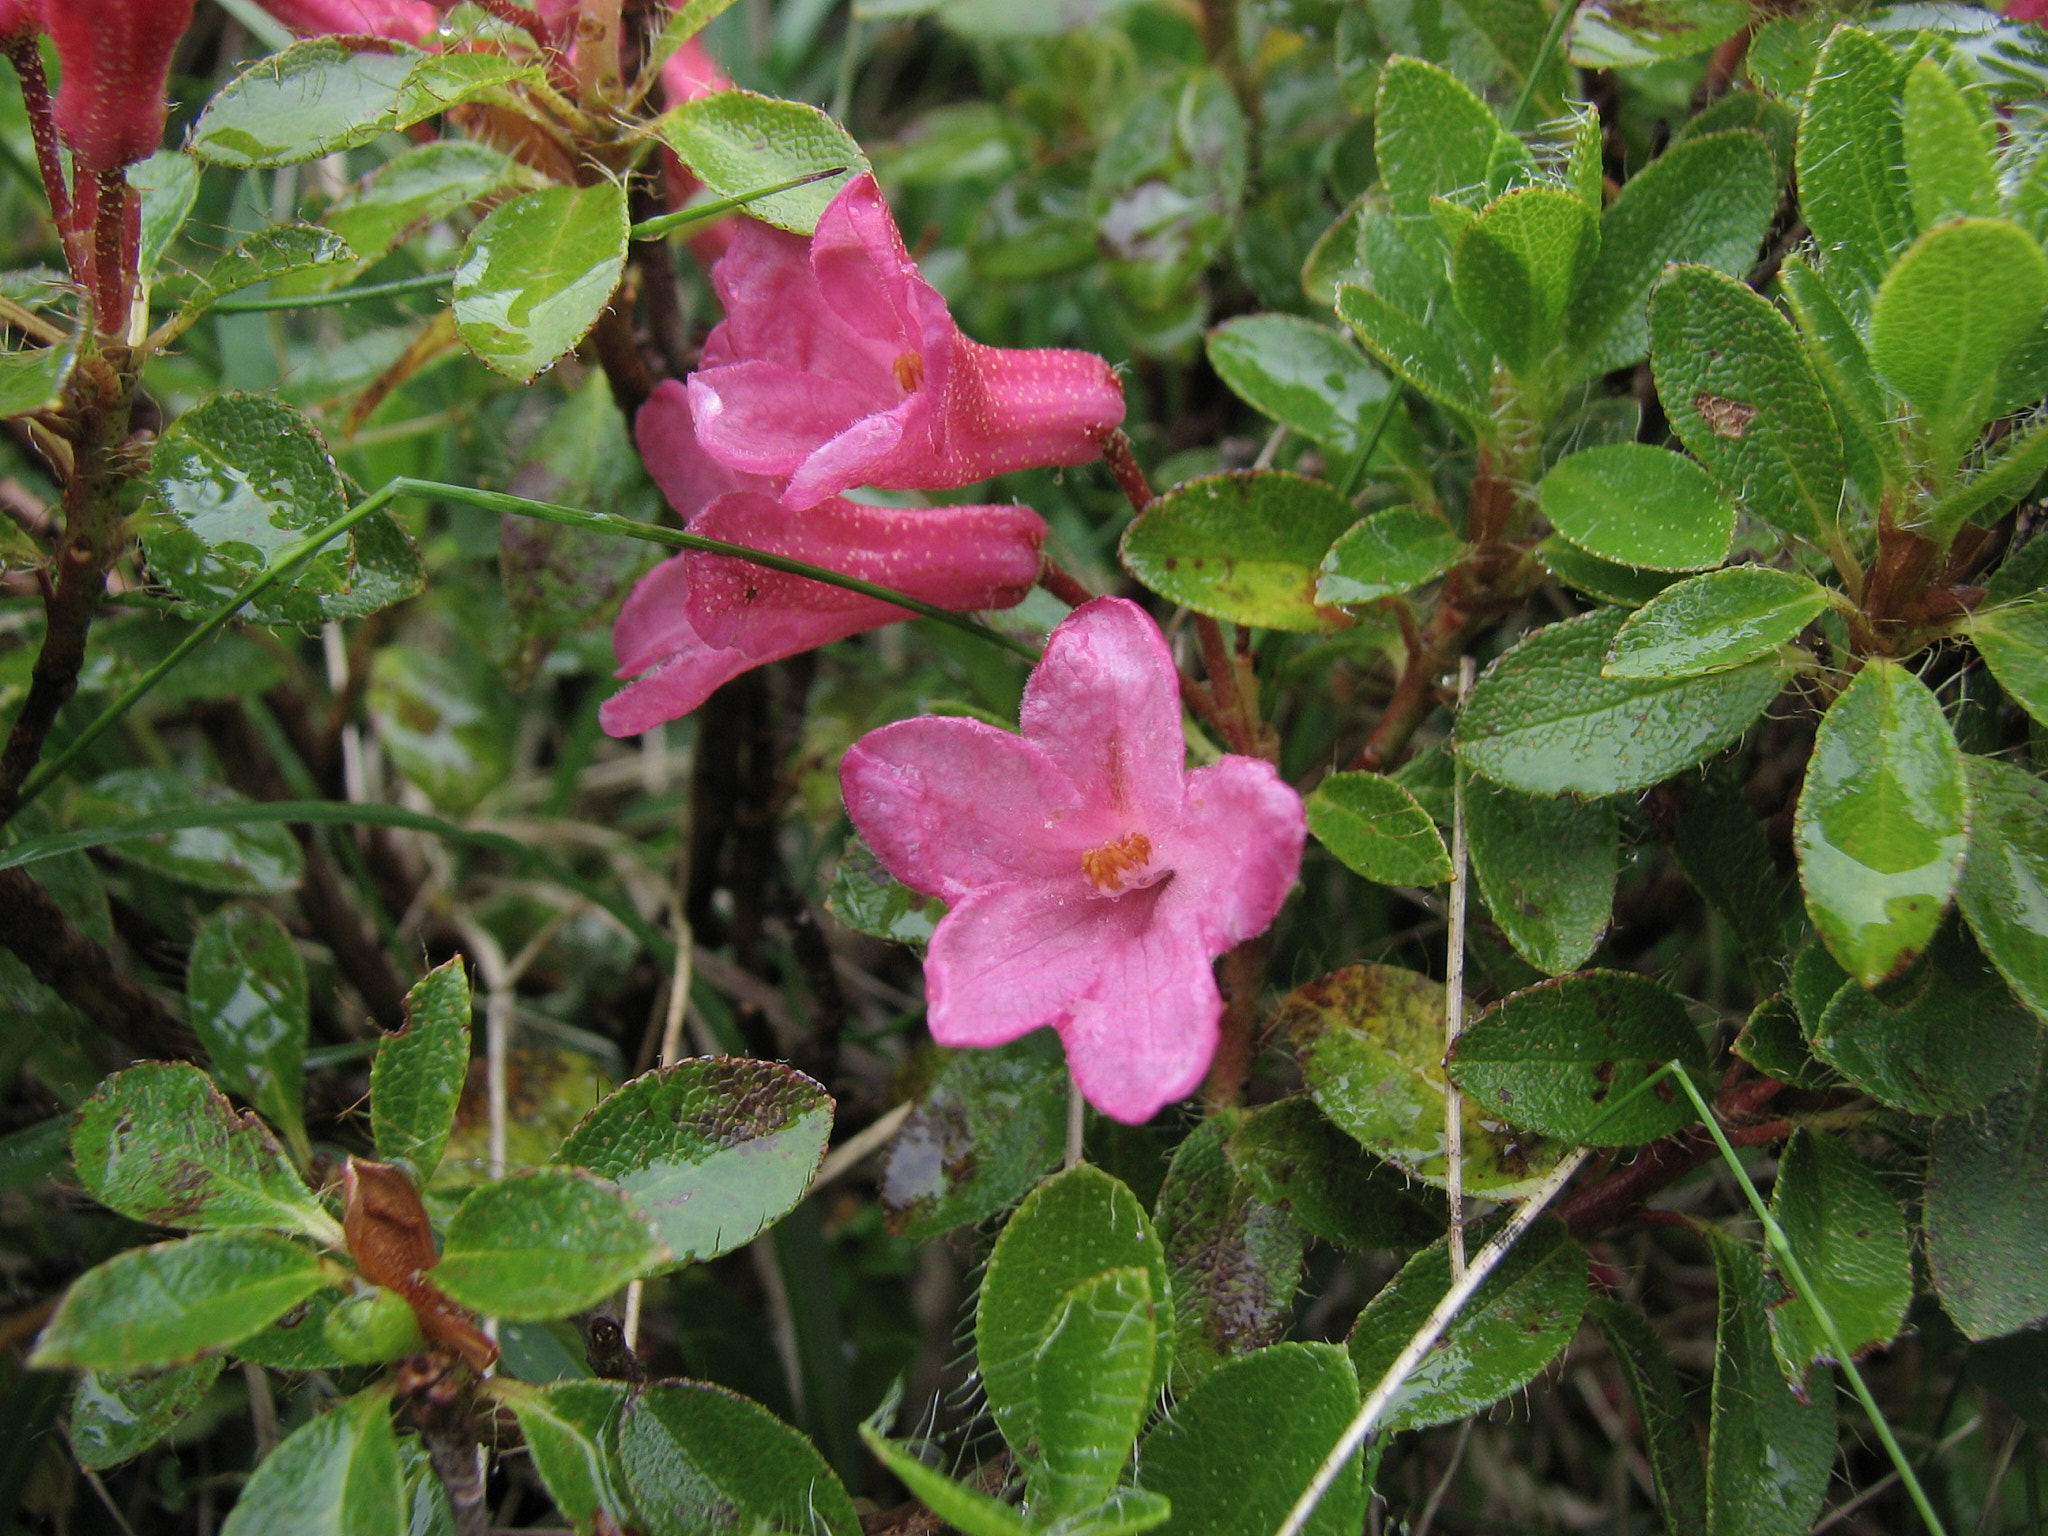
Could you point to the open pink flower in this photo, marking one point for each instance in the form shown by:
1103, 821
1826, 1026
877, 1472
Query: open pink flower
406, 21
1092, 878
837, 365
697, 620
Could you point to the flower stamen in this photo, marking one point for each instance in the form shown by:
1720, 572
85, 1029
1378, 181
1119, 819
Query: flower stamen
909, 371
1106, 866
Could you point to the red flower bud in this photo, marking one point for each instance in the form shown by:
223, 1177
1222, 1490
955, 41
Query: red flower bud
18, 16
116, 53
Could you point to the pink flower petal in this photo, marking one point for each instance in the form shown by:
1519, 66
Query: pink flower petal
405, 20
688, 476
675, 688
1239, 843
765, 419
654, 622
950, 805
1105, 702
775, 313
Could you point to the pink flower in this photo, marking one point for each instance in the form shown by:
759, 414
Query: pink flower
837, 365
696, 621
406, 21
18, 16
2035, 11
116, 55
1092, 879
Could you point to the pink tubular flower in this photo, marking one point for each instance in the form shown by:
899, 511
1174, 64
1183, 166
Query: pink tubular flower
697, 620
837, 365
1092, 878
405, 21
116, 55
18, 16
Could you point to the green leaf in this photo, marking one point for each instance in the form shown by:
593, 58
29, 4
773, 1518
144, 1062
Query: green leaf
1849, 1236
1724, 619
1865, 410
269, 253
1433, 136
1243, 547
1769, 1449
536, 274
1987, 1212
412, 190
571, 1431
1296, 1160
1639, 506
1745, 400
159, 1144
1235, 1258
1546, 866
316, 97
2005, 873
1939, 1040
1707, 200
337, 1475
416, 1079
737, 142
252, 860
1559, 1057
446, 718
1721, 847
1542, 719
116, 1417
171, 1303
169, 184
713, 1150
545, 1243
1389, 552
298, 1340
685, 22
1371, 1043
1882, 821
1518, 1321
702, 1461
1773, 1042
1305, 376
986, 1128
1517, 266
1962, 297
30, 381
1852, 164
1092, 1379
966, 1509
240, 480
1949, 165
1672, 1448
1236, 1452
1990, 492
1603, 580
1376, 828
1607, 34
1073, 1227
868, 899
246, 988
2013, 639
1420, 355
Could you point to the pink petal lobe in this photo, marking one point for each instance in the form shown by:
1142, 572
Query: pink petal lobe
674, 689
654, 622
688, 476
764, 419
865, 273
691, 72
951, 805
405, 20
1144, 1040
775, 313
1237, 849
1105, 702
858, 456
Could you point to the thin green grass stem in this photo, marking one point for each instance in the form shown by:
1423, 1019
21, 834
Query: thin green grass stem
683, 218
1560, 22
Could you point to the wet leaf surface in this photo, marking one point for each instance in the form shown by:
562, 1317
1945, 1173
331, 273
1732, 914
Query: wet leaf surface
701, 1461
989, 1125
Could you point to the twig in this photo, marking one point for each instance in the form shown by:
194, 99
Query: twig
1122, 464
1843, 1511
1461, 1291
845, 1157
1077, 1122
1454, 1005
1063, 584
1443, 1484
78, 969
262, 1408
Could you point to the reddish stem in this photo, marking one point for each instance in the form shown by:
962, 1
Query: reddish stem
113, 254
513, 14
1242, 970
1122, 464
1239, 730
1063, 584
1662, 1163
27, 60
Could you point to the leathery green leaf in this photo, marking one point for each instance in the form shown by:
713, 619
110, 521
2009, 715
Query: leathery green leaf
1769, 1449
314, 98
173, 1302
337, 1475
1376, 828
1672, 1448
246, 988
2013, 639
1236, 1451
1987, 1212
1882, 821
990, 1124
571, 1430
1949, 164
868, 899
1419, 355
1865, 410
544, 1244
1987, 492
1244, 547
1093, 1381
1852, 164
411, 190
1625, 586
1639, 506
116, 1417
536, 274
1558, 1058
1546, 866
1744, 398
1389, 552
2004, 886
1514, 1325
965, 1509
1773, 1042
1371, 1043
1235, 1257
1434, 137
1542, 719
417, 1077
737, 141
159, 1144
1305, 376
1938, 1040
1073, 1227
1726, 618
1296, 1160
1849, 1236
1517, 266
1961, 298
702, 1461
713, 1150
